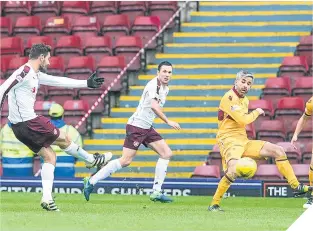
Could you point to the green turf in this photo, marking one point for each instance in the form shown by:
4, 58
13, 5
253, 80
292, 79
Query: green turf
117, 212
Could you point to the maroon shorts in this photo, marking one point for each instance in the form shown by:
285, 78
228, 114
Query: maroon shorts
136, 136
36, 133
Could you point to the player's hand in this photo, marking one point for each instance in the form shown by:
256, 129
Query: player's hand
293, 141
260, 111
173, 124
94, 81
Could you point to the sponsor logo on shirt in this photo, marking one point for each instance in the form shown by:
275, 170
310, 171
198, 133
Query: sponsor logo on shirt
235, 107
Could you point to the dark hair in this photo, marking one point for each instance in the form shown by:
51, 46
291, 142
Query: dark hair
164, 63
39, 49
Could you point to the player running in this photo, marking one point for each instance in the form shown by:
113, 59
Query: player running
139, 130
232, 140
35, 131
304, 118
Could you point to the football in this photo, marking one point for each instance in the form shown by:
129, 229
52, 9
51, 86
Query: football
246, 167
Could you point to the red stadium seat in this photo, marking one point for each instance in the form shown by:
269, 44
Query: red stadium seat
42, 107
12, 46
267, 172
129, 46
98, 47
26, 27
5, 61
86, 27
206, 171
38, 39
16, 9
303, 88
214, 157
301, 171
68, 46
74, 9
165, 10
289, 109
101, 9
305, 134
15, 63
276, 88
272, 131
80, 67
294, 155
56, 27
6, 27
293, 66
74, 110
45, 10
267, 107
307, 153
305, 48
56, 66
146, 27
132, 9
250, 131
115, 26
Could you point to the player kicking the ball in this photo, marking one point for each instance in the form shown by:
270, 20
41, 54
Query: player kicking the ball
232, 140
301, 123
139, 131
37, 132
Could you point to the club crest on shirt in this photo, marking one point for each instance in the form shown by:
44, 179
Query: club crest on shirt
230, 98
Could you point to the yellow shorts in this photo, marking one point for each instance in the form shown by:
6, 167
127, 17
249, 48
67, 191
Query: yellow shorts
239, 146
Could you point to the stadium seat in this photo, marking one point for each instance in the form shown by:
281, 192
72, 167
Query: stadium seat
14, 64
12, 46
42, 107
85, 27
294, 155
272, 131
74, 9
16, 9
301, 171
267, 172
45, 10
56, 27
98, 47
80, 67
276, 88
267, 107
293, 66
289, 109
164, 9
214, 157
307, 153
303, 88
305, 134
101, 9
38, 39
132, 9
305, 48
27, 27
129, 46
68, 46
5, 61
206, 171
250, 131
115, 26
56, 66
5, 26
74, 110
146, 27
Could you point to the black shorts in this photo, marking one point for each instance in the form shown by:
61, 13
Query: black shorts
36, 133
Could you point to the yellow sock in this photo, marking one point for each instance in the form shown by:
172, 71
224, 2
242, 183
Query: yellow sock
311, 176
221, 189
286, 170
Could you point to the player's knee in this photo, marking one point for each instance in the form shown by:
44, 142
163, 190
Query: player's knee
167, 155
231, 169
51, 159
125, 161
278, 152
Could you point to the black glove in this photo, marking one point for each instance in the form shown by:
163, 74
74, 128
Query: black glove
94, 82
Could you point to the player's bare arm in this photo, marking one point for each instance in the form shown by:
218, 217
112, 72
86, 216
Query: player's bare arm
158, 111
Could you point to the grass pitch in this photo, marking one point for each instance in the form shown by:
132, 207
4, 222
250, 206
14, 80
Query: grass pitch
117, 212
